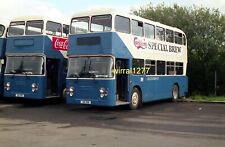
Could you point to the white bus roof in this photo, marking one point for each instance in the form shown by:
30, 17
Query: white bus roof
45, 18
102, 11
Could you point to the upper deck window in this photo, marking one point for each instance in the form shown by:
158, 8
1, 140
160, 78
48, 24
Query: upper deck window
34, 27
65, 30
2, 29
149, 31
122, 24
80, 25
53, 28
101, 23
169, 36
184, 40
178, 38
137, 27
16, 28
160, 33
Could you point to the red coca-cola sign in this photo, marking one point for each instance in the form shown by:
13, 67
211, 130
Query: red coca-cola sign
60, 43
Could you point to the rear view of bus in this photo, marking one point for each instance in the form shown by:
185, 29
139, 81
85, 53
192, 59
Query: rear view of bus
117, 58
3, 30
36, 58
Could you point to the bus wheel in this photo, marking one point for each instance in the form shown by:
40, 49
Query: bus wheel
175, 92
64, 94
135, 99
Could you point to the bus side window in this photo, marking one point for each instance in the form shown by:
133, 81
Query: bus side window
53, 28
184, 39
169, 36
138, 66
170, 68
137, 27
65, 30
178, 38
149, 31
160, 67
150, 67
179, 68
160, 33
122, 24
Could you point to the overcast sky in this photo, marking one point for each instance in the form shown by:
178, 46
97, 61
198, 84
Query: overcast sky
66, 8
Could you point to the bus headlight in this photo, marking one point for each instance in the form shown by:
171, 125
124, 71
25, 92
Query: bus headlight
34, 87
103, 92
70, 91
7, 86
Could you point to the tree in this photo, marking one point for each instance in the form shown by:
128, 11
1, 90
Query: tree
205, 30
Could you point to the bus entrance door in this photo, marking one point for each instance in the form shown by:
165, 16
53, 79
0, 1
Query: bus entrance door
122, 80
52, 77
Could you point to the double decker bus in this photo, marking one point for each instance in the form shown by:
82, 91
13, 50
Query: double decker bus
36, 61
3, 30
117, 58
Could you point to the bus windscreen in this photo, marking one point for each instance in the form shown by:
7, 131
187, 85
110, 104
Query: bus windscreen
27, 65
90, 67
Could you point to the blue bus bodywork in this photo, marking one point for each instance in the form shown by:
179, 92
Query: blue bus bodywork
31, 86
2, 60
119, 88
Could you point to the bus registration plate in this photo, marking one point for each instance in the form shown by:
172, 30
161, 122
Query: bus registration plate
85, 102
19, 95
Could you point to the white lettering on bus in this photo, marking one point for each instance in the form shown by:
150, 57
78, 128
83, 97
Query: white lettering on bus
62, 44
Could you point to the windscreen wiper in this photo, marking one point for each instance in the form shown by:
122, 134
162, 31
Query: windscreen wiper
73, 75
25, 72
12, 72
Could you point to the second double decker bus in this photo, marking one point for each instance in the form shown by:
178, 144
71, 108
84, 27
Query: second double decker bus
3, 30
117, 58
36, 58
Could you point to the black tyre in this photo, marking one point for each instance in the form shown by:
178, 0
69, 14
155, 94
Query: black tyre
136, 99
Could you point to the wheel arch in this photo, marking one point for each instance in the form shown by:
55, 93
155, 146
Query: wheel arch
177, 84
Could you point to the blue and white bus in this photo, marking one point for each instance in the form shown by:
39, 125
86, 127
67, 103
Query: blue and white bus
36, 61
3, 30
117, 58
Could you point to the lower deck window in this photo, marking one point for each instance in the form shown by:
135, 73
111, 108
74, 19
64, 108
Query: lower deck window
179, 68
160, 67
170, 68
150, 66
138, 66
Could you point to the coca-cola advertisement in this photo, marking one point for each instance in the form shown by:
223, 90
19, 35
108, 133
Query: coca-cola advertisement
60, 43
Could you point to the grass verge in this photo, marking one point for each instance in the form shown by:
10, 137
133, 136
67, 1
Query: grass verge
201, 98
